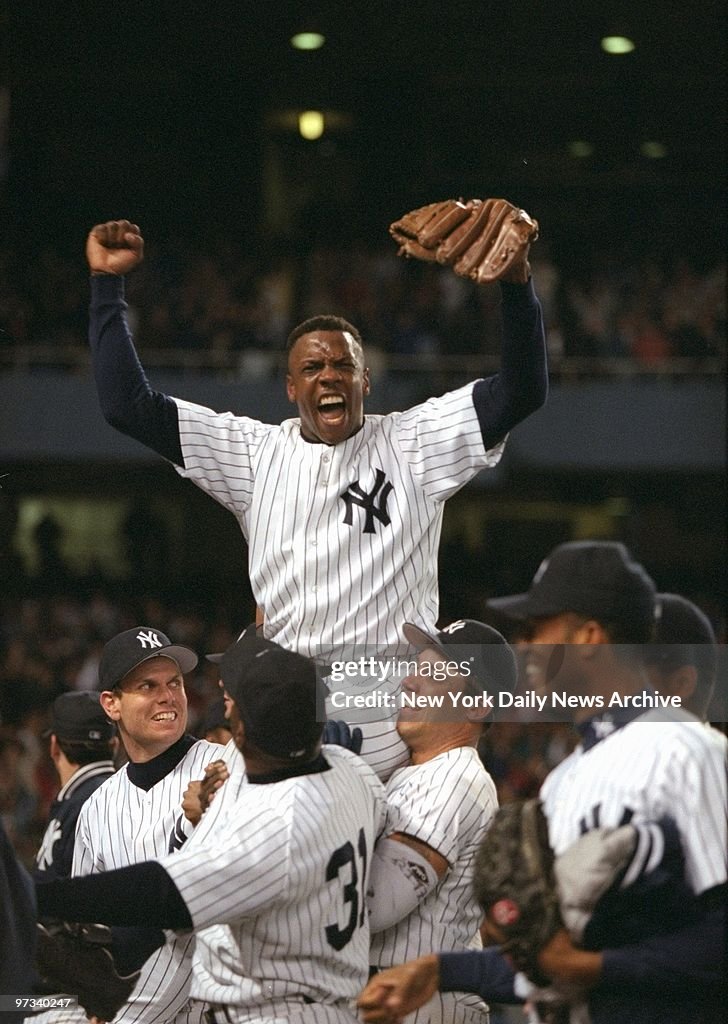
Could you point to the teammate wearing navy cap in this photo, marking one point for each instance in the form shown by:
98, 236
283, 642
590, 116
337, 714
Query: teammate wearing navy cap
82, 747
595, 602
138, 813
275, 890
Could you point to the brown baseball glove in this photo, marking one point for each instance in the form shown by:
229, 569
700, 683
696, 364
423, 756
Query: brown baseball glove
483, 239
515, 884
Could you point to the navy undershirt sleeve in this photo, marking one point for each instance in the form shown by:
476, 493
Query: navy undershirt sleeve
127, 401
521, 385
138, 895
484, 971
685, 960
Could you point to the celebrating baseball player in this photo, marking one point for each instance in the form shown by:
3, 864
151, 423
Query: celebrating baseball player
438, 810
632, 766
137, 813
82, 747
276, 889
342, 513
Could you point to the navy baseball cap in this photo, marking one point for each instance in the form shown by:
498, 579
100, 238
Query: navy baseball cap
599, 579
251, 630
683, 636
128, 649
275, 693
467, 640
79, 718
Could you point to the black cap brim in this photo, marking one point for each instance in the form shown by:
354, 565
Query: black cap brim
520, 607
183, 656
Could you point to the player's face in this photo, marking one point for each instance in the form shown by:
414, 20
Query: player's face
150, 708
549, 662
327, 380
419, 726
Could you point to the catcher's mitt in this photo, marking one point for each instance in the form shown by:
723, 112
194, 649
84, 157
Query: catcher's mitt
76, 959
515, 884
483, 239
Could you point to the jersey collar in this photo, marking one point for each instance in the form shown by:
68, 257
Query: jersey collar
88, 771
149, 773
319, 764
597, 728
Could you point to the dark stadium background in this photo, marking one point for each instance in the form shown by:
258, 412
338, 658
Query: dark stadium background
182, 117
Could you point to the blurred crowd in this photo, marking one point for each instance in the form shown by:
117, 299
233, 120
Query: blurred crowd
52, 644
224, 300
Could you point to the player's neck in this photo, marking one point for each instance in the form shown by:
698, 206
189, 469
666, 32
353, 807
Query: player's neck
621, 678
440, 744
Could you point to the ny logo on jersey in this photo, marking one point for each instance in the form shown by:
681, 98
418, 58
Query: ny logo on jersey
179, 836
356, 495
149, 639
593, 819
44, 857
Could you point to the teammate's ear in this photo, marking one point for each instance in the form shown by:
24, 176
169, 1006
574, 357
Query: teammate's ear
290, 388
366, 383
110, 703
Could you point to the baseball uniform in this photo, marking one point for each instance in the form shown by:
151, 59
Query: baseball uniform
135, 816
343, 538
447, 803
55, 855
275, 892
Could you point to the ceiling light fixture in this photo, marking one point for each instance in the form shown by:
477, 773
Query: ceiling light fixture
307, 41
617, 44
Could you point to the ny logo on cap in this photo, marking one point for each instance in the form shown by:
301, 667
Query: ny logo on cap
149, 639
454, 626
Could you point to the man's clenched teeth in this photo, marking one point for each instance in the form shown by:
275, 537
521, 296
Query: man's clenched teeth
165, 716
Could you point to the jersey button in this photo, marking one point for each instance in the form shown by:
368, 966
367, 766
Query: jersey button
326, 458
314, 543
314, 588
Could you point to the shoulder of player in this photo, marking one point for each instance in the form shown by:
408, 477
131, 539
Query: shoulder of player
347, 764
457, 776
192, 415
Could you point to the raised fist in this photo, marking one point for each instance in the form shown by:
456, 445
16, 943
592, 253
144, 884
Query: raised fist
115, 247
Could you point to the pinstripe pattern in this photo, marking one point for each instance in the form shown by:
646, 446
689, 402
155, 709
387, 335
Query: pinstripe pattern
662, 763
324, 585
448, 803
257, 890
122, 824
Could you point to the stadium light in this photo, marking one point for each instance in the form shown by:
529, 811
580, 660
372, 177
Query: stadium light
617, 44
307, 41
311, 124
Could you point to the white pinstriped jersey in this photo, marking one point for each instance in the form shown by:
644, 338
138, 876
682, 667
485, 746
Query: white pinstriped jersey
276, 892
664, 762
123, 824
343, 539
448, 803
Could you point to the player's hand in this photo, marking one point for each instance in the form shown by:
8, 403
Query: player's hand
340, 734
392, 994
198, 795
565, 963
115, 247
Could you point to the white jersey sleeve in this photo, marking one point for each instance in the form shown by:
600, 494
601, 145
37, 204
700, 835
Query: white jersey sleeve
219, 452
442, 441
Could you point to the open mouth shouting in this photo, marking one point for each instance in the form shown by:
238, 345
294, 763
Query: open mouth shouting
332, 408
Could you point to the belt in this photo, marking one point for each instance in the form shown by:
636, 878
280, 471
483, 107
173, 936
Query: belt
228, 1013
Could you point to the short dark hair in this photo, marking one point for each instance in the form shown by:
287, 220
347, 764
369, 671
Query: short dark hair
82, 753
326, 322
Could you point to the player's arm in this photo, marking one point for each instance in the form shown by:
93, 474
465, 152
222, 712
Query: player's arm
521, 385
393, 993
127, 400
404, 871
